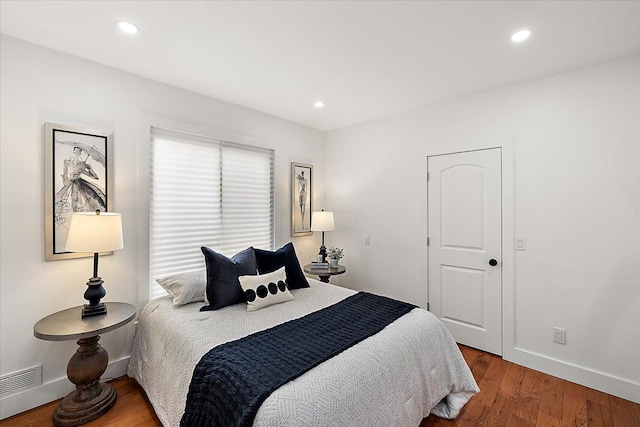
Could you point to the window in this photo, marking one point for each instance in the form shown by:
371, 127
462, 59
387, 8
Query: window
205, 192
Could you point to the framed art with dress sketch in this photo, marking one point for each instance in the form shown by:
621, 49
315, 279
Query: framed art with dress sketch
78, 178
301, 197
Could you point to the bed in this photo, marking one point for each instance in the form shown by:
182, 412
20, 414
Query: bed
396, 377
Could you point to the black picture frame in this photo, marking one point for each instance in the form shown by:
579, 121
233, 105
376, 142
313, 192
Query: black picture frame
301, 199
78, 178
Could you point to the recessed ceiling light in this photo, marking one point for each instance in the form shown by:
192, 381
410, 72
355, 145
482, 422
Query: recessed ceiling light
319, 104
520, 36
127, 27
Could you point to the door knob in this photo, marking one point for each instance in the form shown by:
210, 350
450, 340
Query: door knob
493, 262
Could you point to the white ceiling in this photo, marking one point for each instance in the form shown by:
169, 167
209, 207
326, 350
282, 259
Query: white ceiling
364, 59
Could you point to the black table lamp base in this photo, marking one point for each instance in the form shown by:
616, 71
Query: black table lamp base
93, 294
323, 253
323, 250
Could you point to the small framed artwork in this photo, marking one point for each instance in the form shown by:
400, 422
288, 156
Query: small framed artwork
78, 178
301, 197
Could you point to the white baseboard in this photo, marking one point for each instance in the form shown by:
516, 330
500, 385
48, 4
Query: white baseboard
620, 387
53, 390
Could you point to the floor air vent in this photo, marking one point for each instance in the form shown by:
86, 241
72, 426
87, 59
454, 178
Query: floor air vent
20, 381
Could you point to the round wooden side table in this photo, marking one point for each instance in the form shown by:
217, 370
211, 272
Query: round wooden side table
91, 398
325, 273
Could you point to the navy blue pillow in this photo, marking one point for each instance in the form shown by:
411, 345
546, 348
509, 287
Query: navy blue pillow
269, 261
223, 286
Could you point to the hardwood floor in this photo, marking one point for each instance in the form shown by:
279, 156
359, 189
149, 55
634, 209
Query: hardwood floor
132, 409
511, 396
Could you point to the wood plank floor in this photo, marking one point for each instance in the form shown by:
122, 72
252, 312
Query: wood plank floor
511, 396
132, 409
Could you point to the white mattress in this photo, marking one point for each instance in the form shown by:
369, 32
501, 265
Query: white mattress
394, 378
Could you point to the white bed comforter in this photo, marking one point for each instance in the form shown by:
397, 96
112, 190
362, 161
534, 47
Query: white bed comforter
394, 378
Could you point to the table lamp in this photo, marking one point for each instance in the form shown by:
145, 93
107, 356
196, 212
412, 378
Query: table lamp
322, 221
95, 232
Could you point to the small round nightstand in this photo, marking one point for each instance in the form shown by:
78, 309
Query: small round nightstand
325, 273
91, 399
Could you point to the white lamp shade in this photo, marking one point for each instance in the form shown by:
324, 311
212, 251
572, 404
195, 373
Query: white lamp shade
322, 221
89, 232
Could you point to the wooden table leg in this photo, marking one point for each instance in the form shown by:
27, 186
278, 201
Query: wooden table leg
91, 399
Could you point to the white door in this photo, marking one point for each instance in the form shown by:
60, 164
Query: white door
465, 241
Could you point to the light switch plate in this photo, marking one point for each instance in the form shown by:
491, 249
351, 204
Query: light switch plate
521, 243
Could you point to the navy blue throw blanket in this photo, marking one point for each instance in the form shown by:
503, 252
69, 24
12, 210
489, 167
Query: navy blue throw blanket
232, 380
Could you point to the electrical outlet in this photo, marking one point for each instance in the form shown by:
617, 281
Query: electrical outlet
367, 239
521, 244
559, 335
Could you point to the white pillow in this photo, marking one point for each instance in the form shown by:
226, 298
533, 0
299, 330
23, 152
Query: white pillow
186, 287
265, 289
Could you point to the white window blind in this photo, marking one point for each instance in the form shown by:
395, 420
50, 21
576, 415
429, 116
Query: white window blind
205, 192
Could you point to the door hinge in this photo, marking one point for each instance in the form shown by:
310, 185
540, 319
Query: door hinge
428, 241
427, 306
427, 176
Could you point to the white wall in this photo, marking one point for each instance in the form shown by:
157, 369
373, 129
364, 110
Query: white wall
577, 200
39, 85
